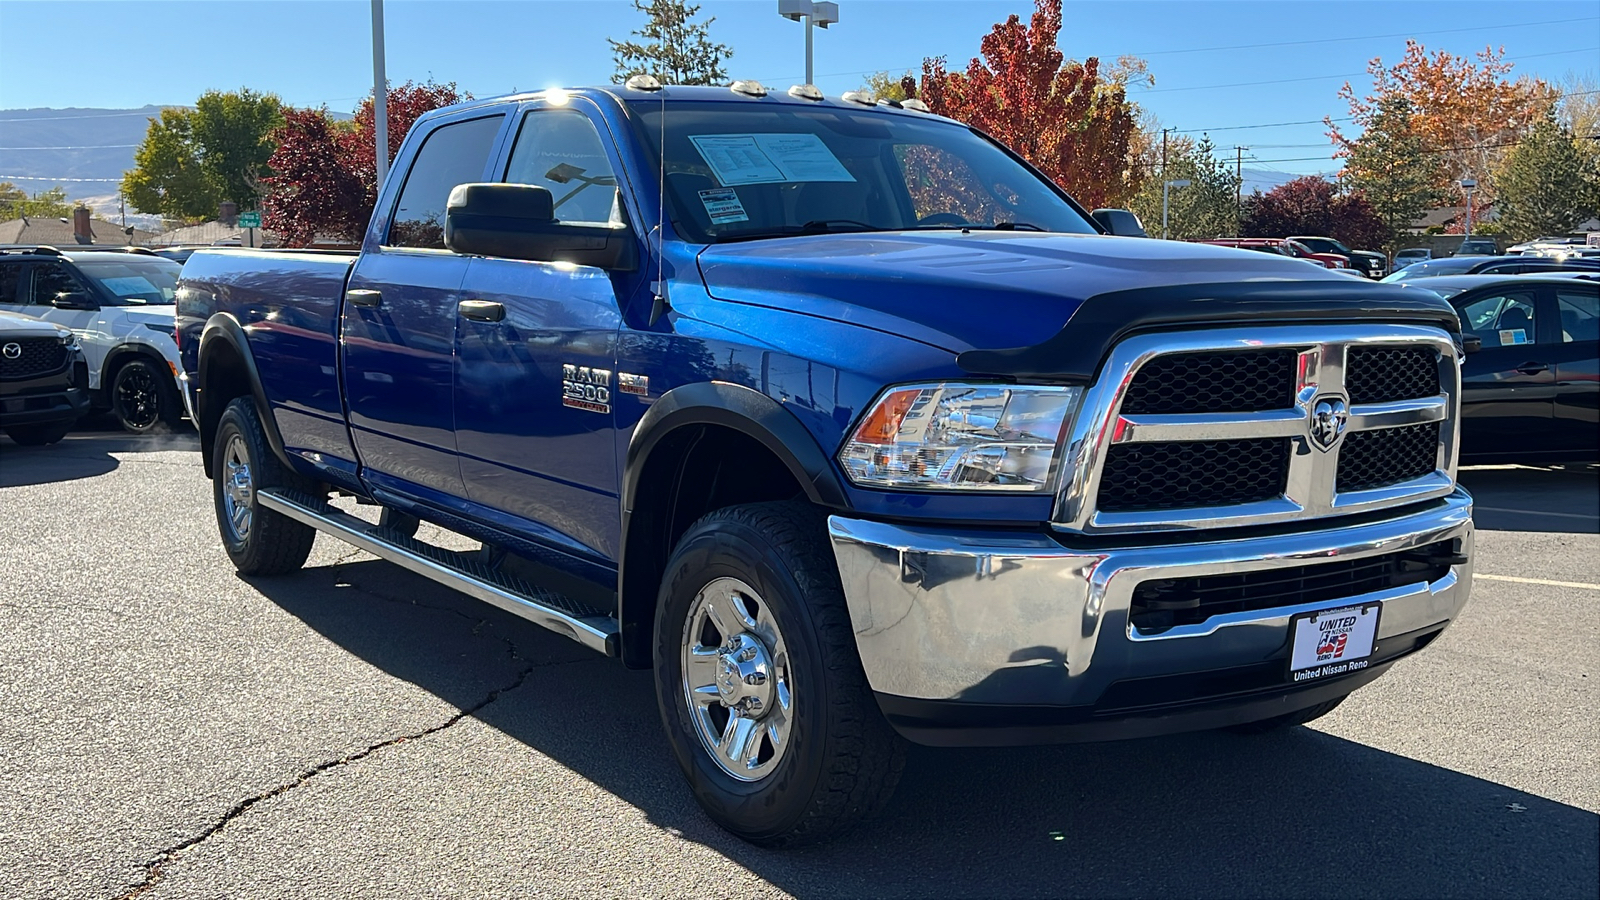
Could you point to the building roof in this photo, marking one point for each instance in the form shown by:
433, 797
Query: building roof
213, 232
58, 232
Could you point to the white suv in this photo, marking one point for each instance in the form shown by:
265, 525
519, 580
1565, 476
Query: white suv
120, 304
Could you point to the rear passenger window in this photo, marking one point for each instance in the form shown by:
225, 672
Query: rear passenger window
1580, 315
453, 154
560, 151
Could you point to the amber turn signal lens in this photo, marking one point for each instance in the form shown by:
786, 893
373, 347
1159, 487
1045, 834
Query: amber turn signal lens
883, 423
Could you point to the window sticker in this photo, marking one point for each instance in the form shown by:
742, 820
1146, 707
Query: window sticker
769, 158
723, 206
130, 285
1510, 336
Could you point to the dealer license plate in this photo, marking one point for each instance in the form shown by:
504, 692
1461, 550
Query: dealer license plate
1332, 641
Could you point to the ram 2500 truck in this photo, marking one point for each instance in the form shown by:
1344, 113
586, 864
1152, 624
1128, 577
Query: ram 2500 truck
851, 425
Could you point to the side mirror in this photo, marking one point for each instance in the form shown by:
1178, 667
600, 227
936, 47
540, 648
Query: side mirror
74, 300
1470, 343
517, 221
1119, 222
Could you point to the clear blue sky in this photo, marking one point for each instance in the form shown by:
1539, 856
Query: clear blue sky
126, 54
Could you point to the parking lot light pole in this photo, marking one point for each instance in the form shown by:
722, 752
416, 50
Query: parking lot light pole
820, 14
380, 95
1468, 184
1165, 186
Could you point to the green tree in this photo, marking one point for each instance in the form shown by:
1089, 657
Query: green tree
885, 86
193, 159
1390, 165
675, 49
49, 204
1207, 208
1548, 185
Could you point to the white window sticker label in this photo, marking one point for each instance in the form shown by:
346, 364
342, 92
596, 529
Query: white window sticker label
769, 158
1510, 336
131, 284
723, 206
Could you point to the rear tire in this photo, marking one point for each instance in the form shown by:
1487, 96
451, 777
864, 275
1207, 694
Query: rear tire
1288, 720
752, 608
38, 435
258, 541
144, 398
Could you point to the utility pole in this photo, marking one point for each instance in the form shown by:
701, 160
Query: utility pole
1164, 152
1238, 187
380, 95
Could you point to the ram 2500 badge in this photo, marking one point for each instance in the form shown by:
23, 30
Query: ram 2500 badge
849, 424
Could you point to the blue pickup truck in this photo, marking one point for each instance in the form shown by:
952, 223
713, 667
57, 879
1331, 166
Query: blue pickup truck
851, 425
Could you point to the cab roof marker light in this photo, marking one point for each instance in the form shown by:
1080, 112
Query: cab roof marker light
805, 91
642, 83
885, 101
915, 104
749, 88
557, 97
861, 97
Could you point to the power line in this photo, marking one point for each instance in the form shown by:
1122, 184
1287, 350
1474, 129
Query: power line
95, 147
106, 116
1365, 37
45, 178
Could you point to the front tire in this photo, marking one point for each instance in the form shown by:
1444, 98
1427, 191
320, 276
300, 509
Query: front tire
144, 399
258, 541
761, 692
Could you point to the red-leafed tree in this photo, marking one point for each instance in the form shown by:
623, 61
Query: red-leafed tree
1313, 206
1058, 114
326, 171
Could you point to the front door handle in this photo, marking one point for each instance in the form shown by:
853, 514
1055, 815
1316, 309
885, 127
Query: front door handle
1533, 368
482, 310
367, 299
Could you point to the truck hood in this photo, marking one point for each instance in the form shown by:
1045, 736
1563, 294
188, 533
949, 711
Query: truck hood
981, 290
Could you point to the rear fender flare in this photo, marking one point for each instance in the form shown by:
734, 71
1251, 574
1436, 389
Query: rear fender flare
223, 329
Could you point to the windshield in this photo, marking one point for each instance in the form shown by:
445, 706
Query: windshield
738, 170
136, 281
1324, 245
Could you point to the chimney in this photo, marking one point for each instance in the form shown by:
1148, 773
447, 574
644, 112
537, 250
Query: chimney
228, 213
80, 226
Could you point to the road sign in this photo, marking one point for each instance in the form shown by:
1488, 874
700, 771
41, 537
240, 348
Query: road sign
250, 220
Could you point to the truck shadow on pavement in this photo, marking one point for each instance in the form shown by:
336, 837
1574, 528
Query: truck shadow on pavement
1299, 813
82, 454
1554, 498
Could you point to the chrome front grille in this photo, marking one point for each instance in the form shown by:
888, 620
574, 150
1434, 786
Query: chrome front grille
1252, 426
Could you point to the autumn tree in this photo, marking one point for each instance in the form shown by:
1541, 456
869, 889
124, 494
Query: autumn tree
674, 48
1465, 110
1311, 205
1392, 168
1058, 114
1547, 184
16, 203
192, 159
326, 172
1206, 208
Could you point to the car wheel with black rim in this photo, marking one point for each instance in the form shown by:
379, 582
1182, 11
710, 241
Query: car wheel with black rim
761, 692
144, 398
258, 541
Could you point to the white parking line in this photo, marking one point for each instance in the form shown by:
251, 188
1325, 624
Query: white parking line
1576, 584
1535, 512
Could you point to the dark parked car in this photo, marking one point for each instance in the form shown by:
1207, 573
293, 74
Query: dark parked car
43, 380
1475, 247
1532, 393
1491, 265
1369, 263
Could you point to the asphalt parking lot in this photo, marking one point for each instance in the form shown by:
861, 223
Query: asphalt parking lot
168, 729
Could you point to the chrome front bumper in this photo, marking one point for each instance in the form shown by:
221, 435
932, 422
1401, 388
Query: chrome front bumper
1018, 619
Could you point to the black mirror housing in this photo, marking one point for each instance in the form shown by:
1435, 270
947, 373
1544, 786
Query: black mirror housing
517, 221
74, 300
1470, 343
1120, 222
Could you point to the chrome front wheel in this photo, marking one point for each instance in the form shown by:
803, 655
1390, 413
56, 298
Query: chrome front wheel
735, 678
238, 489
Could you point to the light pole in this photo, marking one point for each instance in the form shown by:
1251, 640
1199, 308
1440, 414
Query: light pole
1165, 186
1468, 184
380, 94
820, 14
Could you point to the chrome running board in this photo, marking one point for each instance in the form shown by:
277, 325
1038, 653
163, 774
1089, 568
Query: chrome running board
547, 609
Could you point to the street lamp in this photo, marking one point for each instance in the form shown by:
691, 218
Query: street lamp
1165, 186
380, 95
1468, 184
820, 14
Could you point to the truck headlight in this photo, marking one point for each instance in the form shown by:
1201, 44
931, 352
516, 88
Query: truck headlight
961, 437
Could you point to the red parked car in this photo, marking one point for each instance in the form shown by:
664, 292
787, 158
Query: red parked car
1285, 247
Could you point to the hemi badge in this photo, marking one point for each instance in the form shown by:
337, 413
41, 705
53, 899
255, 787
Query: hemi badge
633, 384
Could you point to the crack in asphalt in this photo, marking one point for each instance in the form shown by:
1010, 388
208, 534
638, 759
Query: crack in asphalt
155, 868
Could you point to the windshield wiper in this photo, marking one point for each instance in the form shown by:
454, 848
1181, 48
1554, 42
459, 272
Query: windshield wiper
977, 226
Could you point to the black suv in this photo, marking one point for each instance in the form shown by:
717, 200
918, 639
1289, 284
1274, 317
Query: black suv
1368, 262
43, 380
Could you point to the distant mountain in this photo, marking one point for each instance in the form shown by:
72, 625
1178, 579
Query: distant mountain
1264, 180
40, 148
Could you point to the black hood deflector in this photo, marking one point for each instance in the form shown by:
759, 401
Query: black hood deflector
1076, 352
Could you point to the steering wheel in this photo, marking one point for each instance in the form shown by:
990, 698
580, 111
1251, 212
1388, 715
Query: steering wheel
943, 218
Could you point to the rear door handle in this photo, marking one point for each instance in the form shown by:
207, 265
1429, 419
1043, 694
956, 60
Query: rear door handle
1533, 368
482, 310
368, 299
